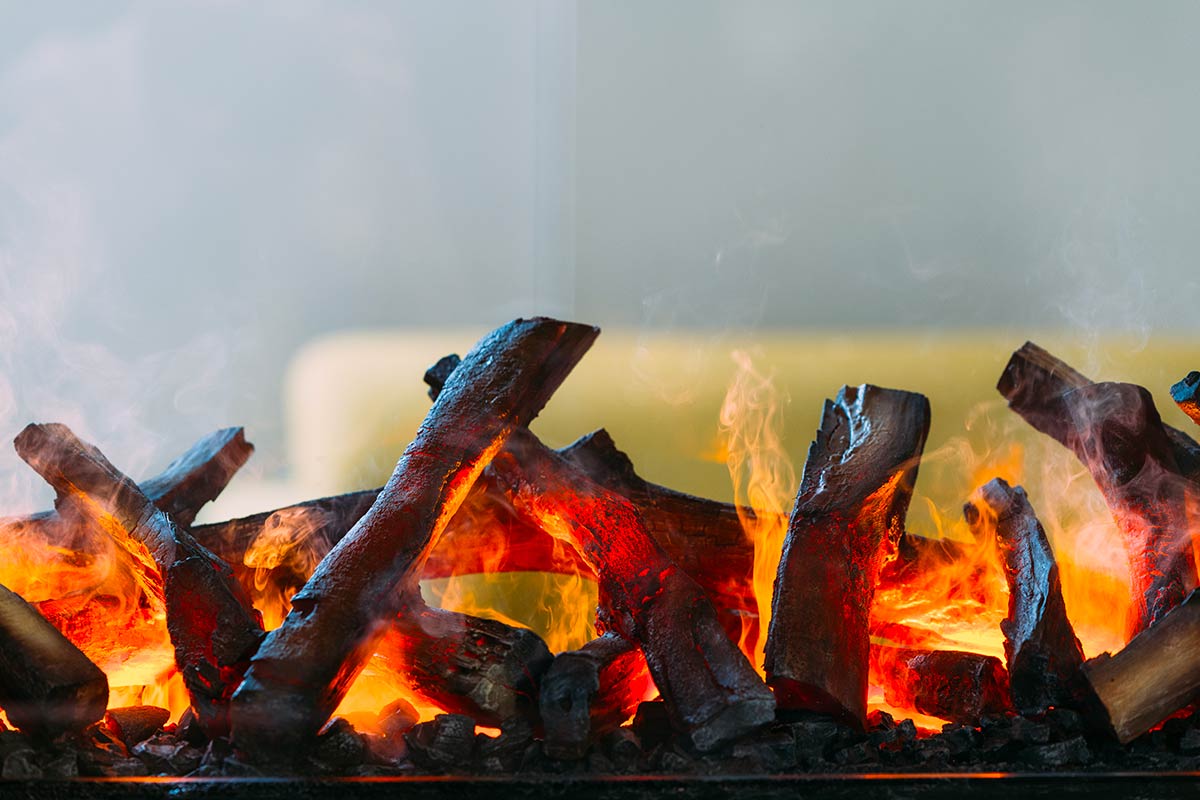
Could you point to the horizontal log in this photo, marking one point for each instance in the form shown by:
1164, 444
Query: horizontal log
948, 684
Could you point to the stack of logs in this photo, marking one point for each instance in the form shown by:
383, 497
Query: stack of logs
674, 571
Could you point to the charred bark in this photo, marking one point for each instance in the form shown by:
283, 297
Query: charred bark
212, 626
47, 686
1041, 652
1186, 395
482, 668
589, 692
712, 692
950, 684
1157, 674
851, 506
305, 666
1115, 430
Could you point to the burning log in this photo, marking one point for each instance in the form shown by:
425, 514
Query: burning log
589, 692
181, 490
1115, 430
710, 689
1157, 673
1040, 649
47, 686
950, 684
851, 506
1186, 395
211, 623
482, 668
304, 667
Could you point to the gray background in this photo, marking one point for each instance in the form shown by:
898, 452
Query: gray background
190, 191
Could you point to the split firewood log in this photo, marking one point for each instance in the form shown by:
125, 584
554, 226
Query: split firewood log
304, 667
1140, 465
211, 623
950, 684
1041, 652
850, 509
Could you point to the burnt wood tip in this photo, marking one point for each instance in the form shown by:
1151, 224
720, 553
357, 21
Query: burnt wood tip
1186, 395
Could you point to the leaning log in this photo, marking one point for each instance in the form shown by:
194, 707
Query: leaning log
1155, 675
589, 692
1186, 395
853, 498
1115, 430
1041, 652
212, 625
483, 668
305, 666
47, 686
948, 684
711, 691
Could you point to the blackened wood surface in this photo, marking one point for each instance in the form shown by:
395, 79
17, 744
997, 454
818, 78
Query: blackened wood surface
711, 690
212, 626
1041, 652
1155, 675
1186, 395
950, 684
588, 692
485, 669
305, 666
1115, 430
46, 685
853, 498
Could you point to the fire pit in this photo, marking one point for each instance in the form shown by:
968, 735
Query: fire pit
736, 647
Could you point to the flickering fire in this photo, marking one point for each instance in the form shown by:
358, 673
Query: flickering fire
107, 606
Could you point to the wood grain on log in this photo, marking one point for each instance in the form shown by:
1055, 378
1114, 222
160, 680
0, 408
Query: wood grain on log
305, 666
850, 508
1042, 654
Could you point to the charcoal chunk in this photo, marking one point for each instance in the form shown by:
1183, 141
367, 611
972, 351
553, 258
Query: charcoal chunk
339, 746
1189, 743
447, 742
1058, 754
133, 724
20, 765
397, 717
772, 751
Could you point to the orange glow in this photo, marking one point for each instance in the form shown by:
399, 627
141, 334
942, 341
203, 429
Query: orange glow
751, 427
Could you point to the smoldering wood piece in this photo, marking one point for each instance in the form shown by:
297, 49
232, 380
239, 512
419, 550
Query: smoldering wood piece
1155, 675
713, 693
212, 625
950, 684
182, 489
1034, 382
304, 667
464, 664
1042, 654
1186, 395
1114, 429
851, 506
588, 693
47, 686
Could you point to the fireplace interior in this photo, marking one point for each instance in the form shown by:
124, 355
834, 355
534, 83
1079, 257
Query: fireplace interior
503, 610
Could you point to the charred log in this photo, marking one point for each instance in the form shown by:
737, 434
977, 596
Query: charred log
463, 664
47, 686
1186, 395
712, 692
212, 626
1155, 675
588, 693
1040, 649
305, 666
950, 684
851, 506
1115, 430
